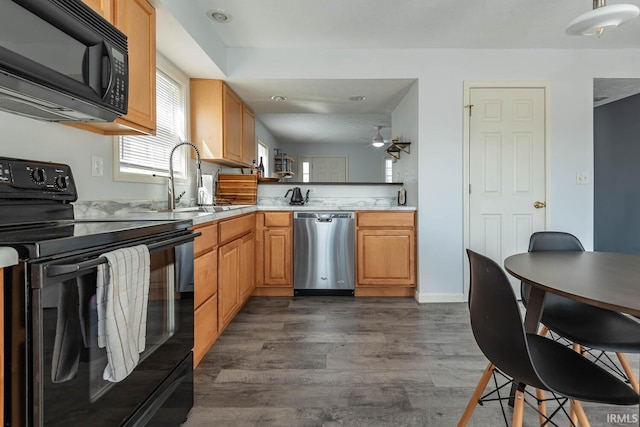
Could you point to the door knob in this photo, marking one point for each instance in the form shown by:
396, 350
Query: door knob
539, 205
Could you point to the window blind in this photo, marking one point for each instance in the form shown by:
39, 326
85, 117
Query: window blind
150, 154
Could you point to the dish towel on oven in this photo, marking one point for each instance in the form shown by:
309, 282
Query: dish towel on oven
122, 292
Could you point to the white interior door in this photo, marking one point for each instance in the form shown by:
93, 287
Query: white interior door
506, 170
326, 168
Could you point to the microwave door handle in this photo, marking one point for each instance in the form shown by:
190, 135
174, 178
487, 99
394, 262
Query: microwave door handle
61, 269
107, 70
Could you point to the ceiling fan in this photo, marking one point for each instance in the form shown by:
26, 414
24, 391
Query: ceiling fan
378, 140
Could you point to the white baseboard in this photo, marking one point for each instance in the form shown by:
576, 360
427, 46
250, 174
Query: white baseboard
435, 297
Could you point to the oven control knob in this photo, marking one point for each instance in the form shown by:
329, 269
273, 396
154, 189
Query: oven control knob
39, 176
62, 182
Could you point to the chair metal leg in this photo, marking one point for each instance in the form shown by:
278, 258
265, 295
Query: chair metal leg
477, 393
518, 409
631, 376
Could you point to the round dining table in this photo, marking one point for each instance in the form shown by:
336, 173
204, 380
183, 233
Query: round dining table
604, 279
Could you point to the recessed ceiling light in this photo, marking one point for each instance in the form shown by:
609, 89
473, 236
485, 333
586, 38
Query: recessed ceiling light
278, 98
357, 98
219, 15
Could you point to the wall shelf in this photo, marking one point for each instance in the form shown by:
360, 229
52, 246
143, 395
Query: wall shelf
283, 164
396, 148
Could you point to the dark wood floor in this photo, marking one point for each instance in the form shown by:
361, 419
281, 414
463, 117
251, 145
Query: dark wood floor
341, 361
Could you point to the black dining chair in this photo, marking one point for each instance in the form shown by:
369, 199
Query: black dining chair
530, 359
583, 324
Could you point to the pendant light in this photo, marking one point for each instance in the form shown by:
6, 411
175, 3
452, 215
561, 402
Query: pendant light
602, 16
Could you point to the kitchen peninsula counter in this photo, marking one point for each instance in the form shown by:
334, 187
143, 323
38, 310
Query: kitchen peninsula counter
140, 214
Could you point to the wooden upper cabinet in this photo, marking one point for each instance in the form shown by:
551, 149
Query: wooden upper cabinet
231, 126
137, 19
217, 125
248, 135
104, 7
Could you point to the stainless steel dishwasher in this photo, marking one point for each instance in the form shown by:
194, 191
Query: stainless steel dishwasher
323, 253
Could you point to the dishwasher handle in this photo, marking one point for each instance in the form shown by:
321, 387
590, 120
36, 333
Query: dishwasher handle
324, 219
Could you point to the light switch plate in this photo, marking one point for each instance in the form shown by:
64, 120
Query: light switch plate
582, 178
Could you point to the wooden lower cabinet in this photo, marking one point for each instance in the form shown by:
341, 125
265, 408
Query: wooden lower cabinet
236, 266
205, 299
206, 328
228, 283
247, 267
274, 254
277, 257
386, 253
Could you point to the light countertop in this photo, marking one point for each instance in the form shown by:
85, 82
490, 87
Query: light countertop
8, 257
203, 217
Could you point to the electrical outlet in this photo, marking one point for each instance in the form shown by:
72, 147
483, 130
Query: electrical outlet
97, 166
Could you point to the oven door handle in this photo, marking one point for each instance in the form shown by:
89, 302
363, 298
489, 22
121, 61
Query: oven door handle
61, 269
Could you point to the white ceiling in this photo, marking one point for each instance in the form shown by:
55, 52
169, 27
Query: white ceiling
402, 24
318, 110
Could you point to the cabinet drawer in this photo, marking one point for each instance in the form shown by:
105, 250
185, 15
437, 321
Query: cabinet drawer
205, 276
386, 219
277, 219
206, 328
208, 240
236, 227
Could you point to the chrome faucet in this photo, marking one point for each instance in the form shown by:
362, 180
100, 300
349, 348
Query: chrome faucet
200, 187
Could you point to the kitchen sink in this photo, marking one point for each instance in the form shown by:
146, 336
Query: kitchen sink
205, 209
198, 209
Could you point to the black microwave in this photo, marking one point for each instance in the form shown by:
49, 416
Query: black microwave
61, 61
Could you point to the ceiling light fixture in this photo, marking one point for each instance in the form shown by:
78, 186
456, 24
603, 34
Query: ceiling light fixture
278, 98
378, 140
357, 98
601, 17
219, 15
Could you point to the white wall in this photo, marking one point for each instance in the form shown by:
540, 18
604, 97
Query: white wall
441, 73
404, 125
32, 139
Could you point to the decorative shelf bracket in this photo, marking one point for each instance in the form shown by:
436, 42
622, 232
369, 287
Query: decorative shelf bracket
396, 148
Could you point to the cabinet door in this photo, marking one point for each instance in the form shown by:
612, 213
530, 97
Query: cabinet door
386, 257
228, 282
277, 257
137, 19
205, 328
103, 7
247, 263
232, 125
248, 136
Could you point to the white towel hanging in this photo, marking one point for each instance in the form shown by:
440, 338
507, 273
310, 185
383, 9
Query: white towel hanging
122, 292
